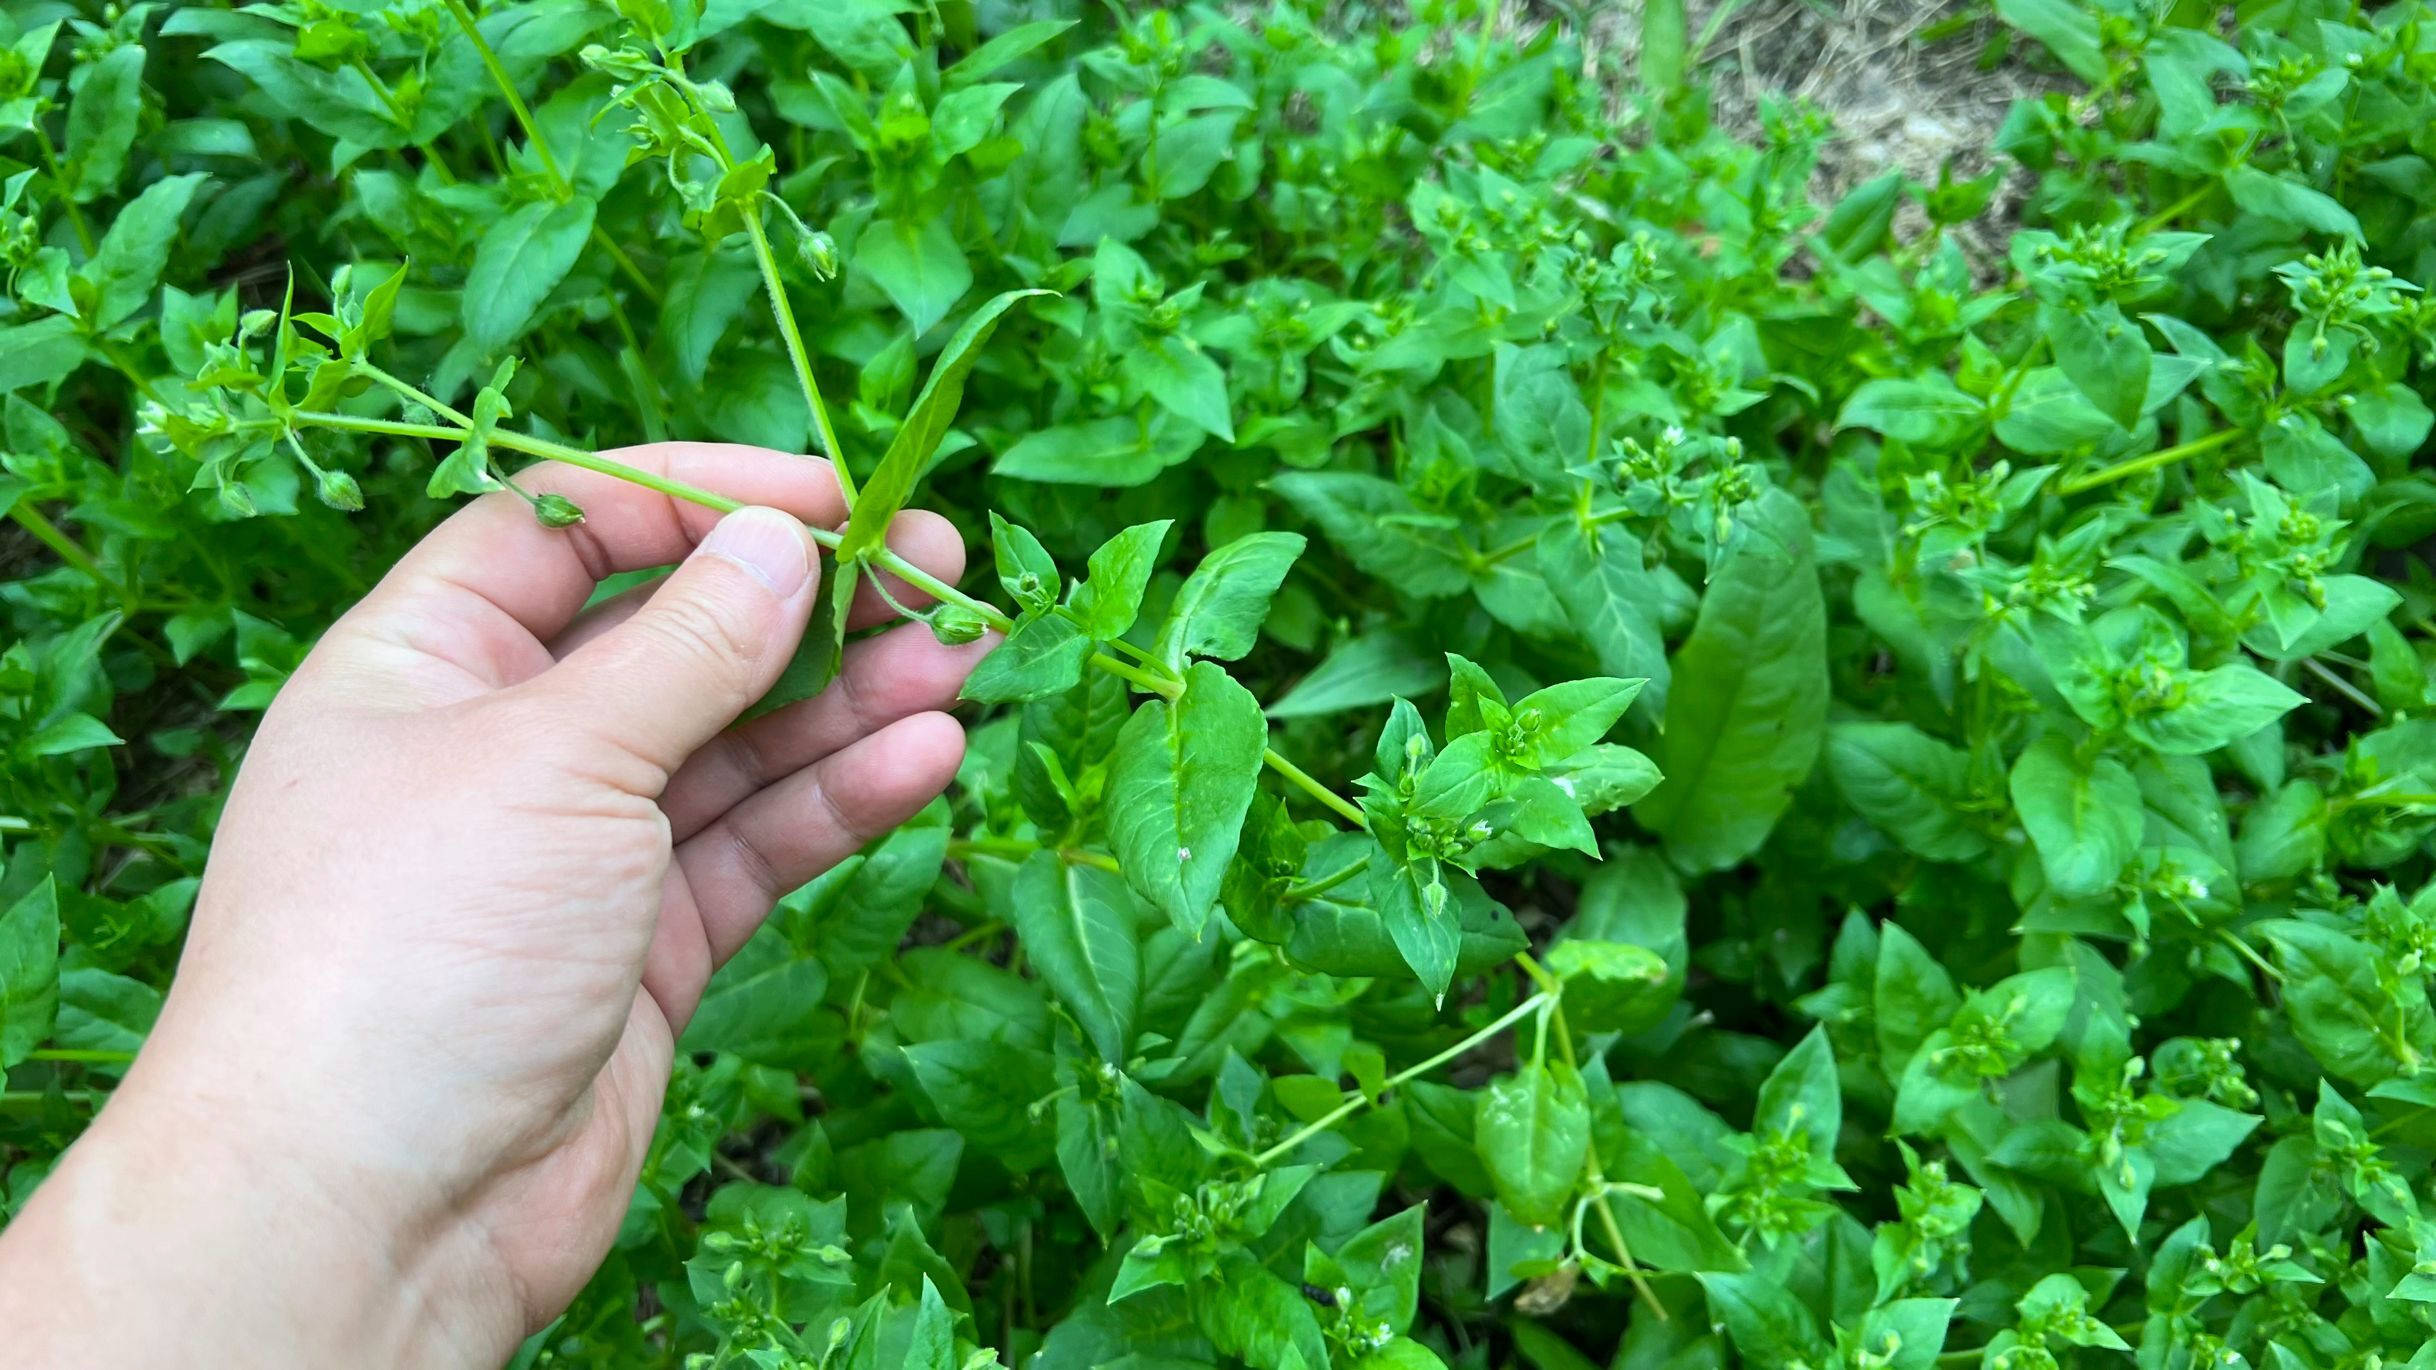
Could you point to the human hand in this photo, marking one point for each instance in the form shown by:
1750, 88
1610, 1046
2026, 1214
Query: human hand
483, 854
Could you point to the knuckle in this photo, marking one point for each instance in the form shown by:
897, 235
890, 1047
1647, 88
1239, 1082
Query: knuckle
709, 633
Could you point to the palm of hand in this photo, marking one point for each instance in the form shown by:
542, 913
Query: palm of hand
554, 843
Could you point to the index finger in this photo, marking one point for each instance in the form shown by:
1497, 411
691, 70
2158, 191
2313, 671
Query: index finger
493, 559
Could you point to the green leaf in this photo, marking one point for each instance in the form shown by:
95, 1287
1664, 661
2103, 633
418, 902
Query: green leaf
1185, 382
2103, 355
984, 1090
892, 482
1561, 721
102, 120
1087, 1151
338, 102
2213, 710
1802, 1099
1748, 708
1110, 599
69, 733
1008, 47
1909, 784
1533, 1131
764, 1005
2289, 202
2334, 993
1043, 656
1612, 601
2048, 416
39, 353
707, 292
29, 972
1248, 1312
2067, 30
1362, 671
1906, 1334
1079, 930
1375, 522
1417, 909
1612, 986
1219, 609
2195, 1139
127, 266
2083, 814
1925, 412
1769, 1326
1911, 996
1179, 786
1665, 45
1674, 1230
918, 266
520, 260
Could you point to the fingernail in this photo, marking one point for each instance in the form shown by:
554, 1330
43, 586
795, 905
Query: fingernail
767, 543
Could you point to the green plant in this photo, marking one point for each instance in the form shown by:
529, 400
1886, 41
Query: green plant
1594, 761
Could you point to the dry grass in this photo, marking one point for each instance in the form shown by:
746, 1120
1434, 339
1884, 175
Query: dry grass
1895, 101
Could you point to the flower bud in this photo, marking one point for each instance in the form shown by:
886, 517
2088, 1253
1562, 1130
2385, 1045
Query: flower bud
818, 252
339, 490
955, 625
557, 511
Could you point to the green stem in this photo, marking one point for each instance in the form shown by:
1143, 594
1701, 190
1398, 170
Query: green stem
1521, 545
2164, 456
2250, 954
1596, 1172
785, 314
106, 1058
67, 549
974, 935
626, 264
118, 361
397, 112
20, 1098
1009, 849
67, 196
1301, 780
1313, 889
2343, 687
515, 100
2173, 211
1360, 1101
883, 558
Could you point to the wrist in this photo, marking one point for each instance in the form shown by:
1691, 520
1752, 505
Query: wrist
165, 1236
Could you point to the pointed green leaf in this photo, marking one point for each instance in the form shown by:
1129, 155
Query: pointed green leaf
1178, 789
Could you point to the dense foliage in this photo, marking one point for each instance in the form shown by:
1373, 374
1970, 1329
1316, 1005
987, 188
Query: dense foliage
1423, 435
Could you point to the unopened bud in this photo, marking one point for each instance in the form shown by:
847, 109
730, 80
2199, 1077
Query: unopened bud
955, 625
557, 511
339, 490
818, 252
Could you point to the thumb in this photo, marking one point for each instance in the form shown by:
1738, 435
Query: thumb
709, 642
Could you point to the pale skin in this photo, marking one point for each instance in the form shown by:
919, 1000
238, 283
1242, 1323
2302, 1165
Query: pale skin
483, 854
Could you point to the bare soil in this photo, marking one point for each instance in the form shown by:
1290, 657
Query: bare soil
1895, 101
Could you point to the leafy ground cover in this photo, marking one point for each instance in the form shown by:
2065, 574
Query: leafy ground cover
1595, 762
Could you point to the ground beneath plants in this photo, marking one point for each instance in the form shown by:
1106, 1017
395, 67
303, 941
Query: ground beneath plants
1896, 100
